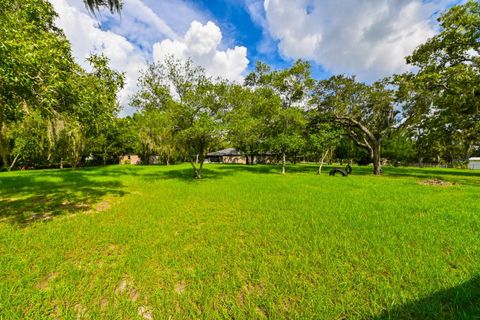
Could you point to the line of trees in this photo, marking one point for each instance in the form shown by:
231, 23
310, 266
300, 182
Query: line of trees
54, 112
51, 110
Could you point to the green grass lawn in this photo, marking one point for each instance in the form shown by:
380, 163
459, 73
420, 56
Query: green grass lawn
126, 242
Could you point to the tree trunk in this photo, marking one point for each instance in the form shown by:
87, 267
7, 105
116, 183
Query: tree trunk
4, 159
252, 159
199, 175
322, 158
198, 171
284, 160
247, 159
61, 163
194, 169
377, 165
3, 148
13, 162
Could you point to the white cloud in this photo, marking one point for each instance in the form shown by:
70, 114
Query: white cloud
86, 37
200, 43
130, 38
139, 24
366, 38
256, 10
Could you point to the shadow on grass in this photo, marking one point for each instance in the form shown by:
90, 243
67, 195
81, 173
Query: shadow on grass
41, 196
465, 177
219, 171
268, 168
460, 302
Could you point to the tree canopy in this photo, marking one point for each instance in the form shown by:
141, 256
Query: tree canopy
55, 113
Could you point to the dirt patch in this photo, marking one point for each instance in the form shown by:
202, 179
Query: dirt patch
145, 312
45, 283
126, 288
103, 303
436, 182
113, 250
122, 286
102, 206
247, 290
81, 311
261, 312
46, 216
133, 294
180, 287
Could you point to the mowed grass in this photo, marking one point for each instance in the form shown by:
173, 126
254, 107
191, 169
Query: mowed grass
127, 242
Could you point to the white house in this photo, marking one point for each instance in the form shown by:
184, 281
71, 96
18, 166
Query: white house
474, 163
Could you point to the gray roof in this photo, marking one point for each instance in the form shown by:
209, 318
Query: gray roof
226, 152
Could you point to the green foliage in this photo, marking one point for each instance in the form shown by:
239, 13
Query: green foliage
366, 112
42, 88
292, 87
54, 111
443, 97
251, 117
32, 142
182, 111
36, 64
322, 138
155, 135
400, 148
287, 132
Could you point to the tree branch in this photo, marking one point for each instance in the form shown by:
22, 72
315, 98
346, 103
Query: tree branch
358, 125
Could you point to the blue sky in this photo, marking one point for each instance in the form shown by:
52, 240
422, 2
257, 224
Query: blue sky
369, 39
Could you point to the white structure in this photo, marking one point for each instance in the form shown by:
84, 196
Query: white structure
474, 163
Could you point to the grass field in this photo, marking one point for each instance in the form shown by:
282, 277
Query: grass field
126, 242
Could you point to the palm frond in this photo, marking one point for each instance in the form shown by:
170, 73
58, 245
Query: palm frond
96, 5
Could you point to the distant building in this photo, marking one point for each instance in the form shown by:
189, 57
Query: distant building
229, 155
474, 163
232, 155
130, 159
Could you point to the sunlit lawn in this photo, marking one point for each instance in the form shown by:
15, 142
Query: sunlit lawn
126, 242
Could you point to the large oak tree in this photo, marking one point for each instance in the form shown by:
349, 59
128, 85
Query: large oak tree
366, 112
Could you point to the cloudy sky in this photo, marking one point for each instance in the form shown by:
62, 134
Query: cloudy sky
367, 38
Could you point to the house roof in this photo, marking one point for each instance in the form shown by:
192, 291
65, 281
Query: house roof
474, 159
226, 152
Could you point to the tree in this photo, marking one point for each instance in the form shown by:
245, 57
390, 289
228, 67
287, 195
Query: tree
322, 137
199, 123
42, 87
190, 108
365, 112
71, 138
250, 118
156, 135
292, 86
32, 140
286, 136
90, 116
400, 148
445, 91
36, 65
